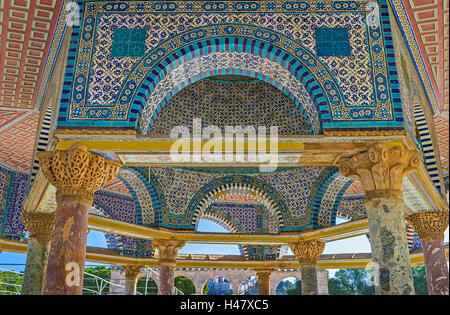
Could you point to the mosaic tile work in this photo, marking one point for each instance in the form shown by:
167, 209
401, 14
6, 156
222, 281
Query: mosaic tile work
222, 62
352, 207
287, 192
160, 28
118, 207
231, 104
13, 190
175, 36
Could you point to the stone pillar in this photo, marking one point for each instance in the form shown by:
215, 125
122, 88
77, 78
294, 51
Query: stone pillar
381, 170
307, 253
39, 226
322, 282
263, 275
431, 227
167, 251
131, 278
77, 175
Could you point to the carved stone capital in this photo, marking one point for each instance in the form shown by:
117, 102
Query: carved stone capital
381, 168
429, 225
132, 271
38, 224
307, 252
168, 250
77, 172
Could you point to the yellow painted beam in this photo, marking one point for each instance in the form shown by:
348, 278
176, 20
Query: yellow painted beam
100, 255
329, 234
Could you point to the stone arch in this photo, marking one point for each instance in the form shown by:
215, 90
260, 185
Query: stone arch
215, 275
276, 279
320, 204
144, 193
230, 226
206, 195
187, 277
299, 63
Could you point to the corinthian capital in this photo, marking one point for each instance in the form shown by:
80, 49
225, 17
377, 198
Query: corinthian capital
307, 252
429, 225
381, 168
168, 250
77, 172
132, 271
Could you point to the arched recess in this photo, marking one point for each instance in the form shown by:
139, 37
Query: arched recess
325, 197
241, 184
163, 71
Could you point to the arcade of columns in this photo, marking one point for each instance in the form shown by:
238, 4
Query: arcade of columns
57, 242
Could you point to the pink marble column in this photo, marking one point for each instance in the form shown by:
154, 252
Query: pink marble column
77, 174
431, 226
167, 252
436, 267
166, 280
67, 255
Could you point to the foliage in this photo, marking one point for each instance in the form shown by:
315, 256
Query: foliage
294, 288
147, 287
205, 289
353, 282
93, 283
350, 282
11, 282
185, 285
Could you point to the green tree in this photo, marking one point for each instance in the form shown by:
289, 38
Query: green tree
185, 285
147, 287
10, 283
294, 288
350, 282
91, 282
420, 280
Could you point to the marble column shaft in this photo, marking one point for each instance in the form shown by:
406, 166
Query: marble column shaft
431, 227
39, 226
390, 254
263, 281
66, 261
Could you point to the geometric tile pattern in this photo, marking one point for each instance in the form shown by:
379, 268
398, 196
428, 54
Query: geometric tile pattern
17, 143
332, 42
98, 91
429, 40
426, 144
118, 187
221, 103
26, 30
441, 124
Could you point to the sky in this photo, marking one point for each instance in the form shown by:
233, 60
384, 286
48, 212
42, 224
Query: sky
359, 244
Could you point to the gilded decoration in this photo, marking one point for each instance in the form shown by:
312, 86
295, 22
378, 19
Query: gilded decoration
132, 271
168, 250
38, 222
381, 168
77, 172
307, 252
429, 225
